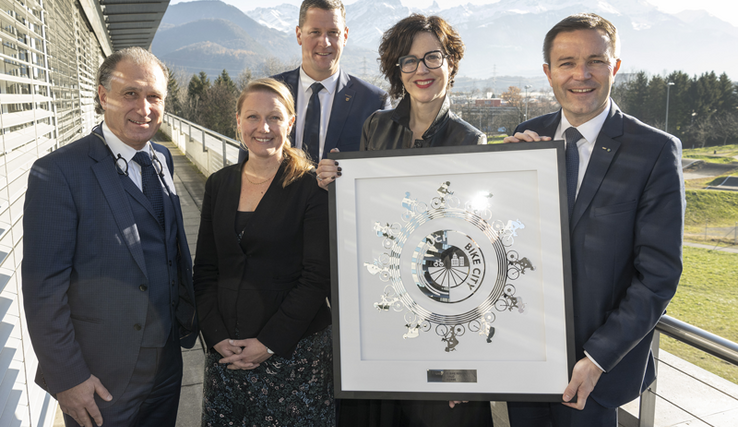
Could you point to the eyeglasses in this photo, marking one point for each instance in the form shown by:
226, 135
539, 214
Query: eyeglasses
432, 60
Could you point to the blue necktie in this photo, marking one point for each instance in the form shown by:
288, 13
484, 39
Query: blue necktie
572, 135
151, 185
311, 133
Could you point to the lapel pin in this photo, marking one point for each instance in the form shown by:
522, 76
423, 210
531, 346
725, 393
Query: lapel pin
348, 98
606, 149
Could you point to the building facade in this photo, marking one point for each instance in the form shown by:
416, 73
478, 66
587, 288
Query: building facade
51, 50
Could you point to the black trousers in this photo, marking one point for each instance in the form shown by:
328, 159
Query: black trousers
541, 414
151, 398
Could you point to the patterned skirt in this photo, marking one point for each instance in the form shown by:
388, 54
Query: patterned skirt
280, 392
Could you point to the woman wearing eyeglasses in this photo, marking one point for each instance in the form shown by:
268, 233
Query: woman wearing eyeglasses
420, 57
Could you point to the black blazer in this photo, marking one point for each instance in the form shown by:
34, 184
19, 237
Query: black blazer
284, 276
626, 248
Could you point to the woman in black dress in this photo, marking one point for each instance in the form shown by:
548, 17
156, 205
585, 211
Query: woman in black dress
419, 56
262, 277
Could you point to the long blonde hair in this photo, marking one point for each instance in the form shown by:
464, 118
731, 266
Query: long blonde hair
296, 161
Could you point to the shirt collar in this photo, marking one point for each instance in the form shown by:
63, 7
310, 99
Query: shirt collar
589, 130
329, 84
119, 147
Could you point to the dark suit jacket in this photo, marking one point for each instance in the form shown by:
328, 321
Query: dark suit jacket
626, 247
281, 282
355, 100
83, 268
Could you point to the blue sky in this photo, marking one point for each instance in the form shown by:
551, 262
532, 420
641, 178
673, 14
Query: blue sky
725, 9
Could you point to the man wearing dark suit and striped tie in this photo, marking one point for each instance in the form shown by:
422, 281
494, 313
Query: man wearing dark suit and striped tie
107, 273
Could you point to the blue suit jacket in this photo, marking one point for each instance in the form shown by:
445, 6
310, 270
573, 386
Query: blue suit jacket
354, 102
626, 246
84, 273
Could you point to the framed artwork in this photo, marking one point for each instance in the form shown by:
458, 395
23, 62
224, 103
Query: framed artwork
451, 275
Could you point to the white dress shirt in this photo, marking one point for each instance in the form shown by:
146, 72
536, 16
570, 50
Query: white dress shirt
134, 170
326, 96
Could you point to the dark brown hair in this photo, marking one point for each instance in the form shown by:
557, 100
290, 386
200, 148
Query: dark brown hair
398, 40
296, 162
582, 21
321, 4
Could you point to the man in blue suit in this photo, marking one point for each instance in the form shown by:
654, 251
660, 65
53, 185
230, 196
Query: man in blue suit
626, 222
107, 273
329, 116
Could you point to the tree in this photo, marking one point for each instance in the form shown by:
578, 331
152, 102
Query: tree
217, 109
679, 102
244, 78
632, 95
225, 80
198, 84
513, 97
725, 127
272, 66
727, 95
173, 103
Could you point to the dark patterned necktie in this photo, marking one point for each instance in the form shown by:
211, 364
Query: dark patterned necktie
151, 185
572, 135
311, 133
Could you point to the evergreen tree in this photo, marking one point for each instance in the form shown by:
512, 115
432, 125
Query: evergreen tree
633, 95
225, 80
679, 102
198, 84
173, 104
727, 95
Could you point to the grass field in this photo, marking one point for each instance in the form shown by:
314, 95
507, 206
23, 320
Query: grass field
720, 150
707, 298
711, 158
716, 208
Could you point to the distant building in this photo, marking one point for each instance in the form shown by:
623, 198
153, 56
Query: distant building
51, 50
492, 102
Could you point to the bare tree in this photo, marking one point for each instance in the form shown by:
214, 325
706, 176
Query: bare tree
244, 78
273, 65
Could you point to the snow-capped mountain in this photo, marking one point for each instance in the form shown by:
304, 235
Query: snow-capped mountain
282, 17
502, 38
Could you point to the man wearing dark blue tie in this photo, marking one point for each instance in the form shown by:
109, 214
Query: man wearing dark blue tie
626, 204
331, 104
107, 273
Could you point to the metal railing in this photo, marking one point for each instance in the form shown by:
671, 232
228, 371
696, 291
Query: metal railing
208, 150
692, 336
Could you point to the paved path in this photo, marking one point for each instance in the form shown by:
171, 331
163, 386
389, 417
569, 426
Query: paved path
731, 249
189, 183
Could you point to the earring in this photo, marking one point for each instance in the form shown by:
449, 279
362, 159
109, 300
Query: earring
403, 91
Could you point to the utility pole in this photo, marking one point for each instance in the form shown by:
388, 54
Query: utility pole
666, 125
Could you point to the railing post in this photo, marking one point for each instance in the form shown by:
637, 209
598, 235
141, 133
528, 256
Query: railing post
225, 161
204, 147
647, 412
